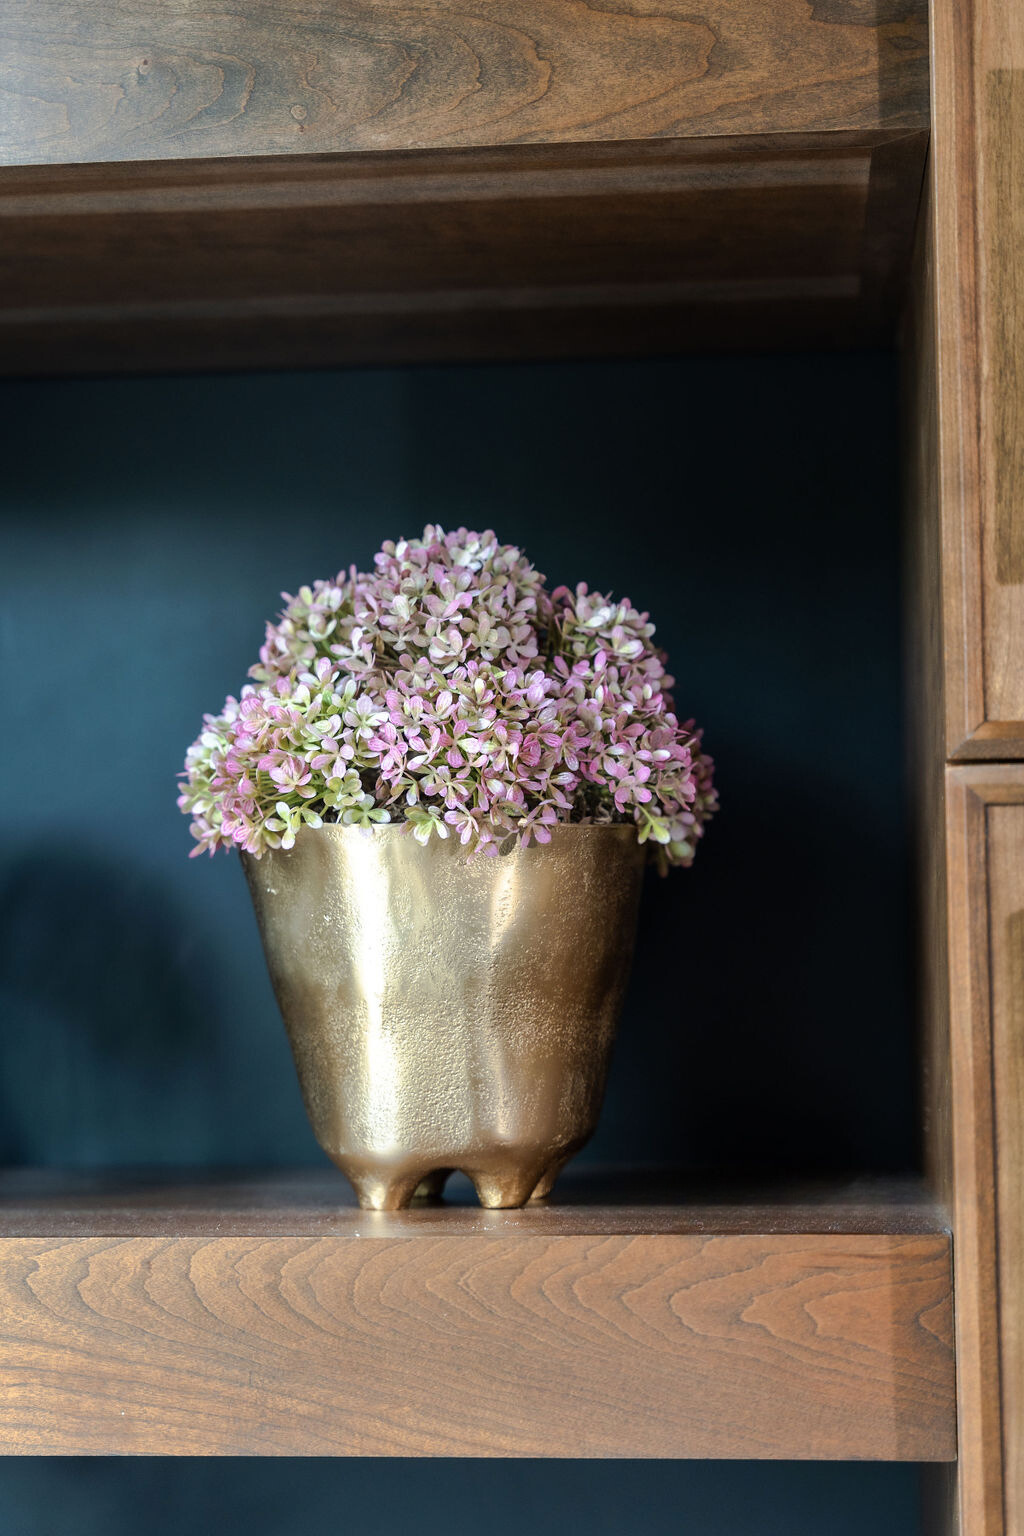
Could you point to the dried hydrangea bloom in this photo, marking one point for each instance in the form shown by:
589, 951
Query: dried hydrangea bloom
450, 690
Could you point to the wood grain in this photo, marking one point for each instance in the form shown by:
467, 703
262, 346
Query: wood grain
986, 899
1000, 105
971, 629
978, 1504
134, 80
994, 741
457, 254
1005, 857
978, 187
542, 1336
953, 189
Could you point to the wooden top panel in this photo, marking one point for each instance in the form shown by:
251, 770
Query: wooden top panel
135, 80
300, 1203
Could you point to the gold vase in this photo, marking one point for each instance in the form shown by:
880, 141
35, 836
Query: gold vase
448, 1012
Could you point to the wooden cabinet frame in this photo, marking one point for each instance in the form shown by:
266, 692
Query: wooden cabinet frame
177, 198
965, 461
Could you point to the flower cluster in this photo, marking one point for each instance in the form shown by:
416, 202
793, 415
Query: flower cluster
450, 690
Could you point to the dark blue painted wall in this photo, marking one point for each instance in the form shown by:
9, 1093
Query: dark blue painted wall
147, 528
451, 1498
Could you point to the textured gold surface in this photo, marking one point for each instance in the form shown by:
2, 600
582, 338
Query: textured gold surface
447, 1013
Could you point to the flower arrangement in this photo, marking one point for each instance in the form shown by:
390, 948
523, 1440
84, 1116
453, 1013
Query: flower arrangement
451, 690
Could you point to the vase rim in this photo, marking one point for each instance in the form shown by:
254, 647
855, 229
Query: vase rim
394, 829
559, 826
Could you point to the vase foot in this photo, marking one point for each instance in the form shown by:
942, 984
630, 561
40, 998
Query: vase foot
432, 1186
503, 1191
389, 1189
377, 1193
547, 1180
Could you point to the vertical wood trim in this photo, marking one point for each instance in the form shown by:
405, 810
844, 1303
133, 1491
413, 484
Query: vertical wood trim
1005, 848
975, 240
978, 186
979, 1472
985, 830
952, 187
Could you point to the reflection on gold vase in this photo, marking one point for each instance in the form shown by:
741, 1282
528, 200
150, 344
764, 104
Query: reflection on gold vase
448, 1012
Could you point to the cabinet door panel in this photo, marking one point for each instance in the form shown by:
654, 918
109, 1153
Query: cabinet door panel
985, 817
1005, 839
1001, 333
977, 176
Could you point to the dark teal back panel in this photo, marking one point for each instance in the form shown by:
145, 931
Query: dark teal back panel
751, 505
450, 1498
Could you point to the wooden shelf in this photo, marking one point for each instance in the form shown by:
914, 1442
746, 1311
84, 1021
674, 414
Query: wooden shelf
256, 188
262, 1316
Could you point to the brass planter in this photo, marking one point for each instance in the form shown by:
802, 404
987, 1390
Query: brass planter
449, 1013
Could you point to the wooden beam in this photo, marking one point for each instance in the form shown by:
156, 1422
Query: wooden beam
135, 80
